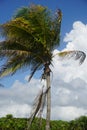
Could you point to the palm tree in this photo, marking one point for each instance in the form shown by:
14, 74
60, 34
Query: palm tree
30, 38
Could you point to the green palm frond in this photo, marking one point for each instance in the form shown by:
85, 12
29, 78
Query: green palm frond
38, 25
77, 55
11, 66
57, 26
22, 12
12, 48
18, 60
20, 30
18, 56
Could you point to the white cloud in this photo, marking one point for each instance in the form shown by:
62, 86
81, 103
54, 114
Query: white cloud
69, 84
77, 37
18, 110
67, 113
18, 99
70, 79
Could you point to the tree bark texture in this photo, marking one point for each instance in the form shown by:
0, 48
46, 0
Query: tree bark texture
48, 114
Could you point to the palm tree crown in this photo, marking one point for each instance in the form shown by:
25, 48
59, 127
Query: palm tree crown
30, 38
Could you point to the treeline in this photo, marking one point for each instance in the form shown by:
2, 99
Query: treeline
11, 123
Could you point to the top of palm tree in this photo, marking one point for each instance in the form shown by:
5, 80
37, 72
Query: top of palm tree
30, 36
29, 39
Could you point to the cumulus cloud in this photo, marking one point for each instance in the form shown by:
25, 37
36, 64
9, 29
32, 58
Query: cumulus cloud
70, 79
18, 99
77, 37
67, 113
69, 84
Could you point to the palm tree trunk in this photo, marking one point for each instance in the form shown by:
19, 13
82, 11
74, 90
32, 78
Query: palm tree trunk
48, 102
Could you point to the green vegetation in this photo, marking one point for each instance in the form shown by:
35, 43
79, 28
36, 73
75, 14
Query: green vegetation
11, 123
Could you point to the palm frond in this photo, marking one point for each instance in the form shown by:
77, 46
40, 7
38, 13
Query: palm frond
19, 29
33, 71
77, 55
13, 44
43, 102
5, 72
22, 12
11, 53
56, 27
38, 25
38, 105
13, 64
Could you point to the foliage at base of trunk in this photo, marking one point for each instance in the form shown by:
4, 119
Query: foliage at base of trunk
11, 123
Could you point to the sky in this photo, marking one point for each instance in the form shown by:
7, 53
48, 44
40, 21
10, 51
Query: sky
69, 80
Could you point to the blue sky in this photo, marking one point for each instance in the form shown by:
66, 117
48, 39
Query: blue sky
72, 79
72, 10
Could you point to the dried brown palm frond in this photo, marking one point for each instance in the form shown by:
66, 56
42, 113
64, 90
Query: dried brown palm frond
38, 106
77, 55
35, 108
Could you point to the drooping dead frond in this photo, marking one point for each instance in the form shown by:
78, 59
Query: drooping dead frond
77, 55
43, 102
38, 106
